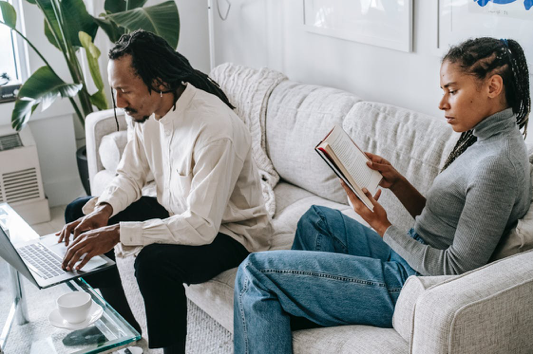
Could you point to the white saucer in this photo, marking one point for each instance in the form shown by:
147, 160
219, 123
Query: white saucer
95, 312
133, 350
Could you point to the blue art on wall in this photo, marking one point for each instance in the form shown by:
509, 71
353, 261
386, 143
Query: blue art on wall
527, 3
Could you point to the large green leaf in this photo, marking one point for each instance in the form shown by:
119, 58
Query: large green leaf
114, 6
50, 15
75, 18
110, 28
92, 54
8, 14
43, 87
162, 19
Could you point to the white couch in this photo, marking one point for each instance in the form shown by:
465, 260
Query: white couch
488, 310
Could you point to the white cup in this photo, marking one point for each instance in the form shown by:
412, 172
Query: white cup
74, 307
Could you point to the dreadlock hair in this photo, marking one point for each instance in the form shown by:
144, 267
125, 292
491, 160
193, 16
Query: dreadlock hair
486, 56
157, 63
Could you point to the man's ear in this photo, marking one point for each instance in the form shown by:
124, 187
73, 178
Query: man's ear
495, 86
159, 84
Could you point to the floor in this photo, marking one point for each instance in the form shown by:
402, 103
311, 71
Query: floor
56, 223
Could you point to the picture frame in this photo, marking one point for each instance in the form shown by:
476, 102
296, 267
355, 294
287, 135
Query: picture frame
459, 20
385, 23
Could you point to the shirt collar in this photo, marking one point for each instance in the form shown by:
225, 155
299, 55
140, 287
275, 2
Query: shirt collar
500, 122
181, 104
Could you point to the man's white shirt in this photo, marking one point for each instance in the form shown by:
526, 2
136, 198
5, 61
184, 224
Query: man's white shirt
200, 156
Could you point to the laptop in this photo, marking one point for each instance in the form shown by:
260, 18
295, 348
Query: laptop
39, 258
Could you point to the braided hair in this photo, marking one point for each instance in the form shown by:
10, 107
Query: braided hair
157, 63
486, 56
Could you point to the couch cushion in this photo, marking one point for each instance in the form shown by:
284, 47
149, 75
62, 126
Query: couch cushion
216, 296
519, 238
298, 117
349, 340
416, 144
111, 149
293, 202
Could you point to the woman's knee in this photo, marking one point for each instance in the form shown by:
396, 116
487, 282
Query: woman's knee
314, 221
250, 271
317, 217
251, 261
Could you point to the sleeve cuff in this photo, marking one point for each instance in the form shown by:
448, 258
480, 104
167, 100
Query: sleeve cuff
131, 233
397, 240
388, 235
89, 206
93, 203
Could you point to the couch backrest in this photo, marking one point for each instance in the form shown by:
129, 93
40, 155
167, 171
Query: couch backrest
416, 145
298, 117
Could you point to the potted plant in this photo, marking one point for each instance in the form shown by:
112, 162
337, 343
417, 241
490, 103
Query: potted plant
68, 26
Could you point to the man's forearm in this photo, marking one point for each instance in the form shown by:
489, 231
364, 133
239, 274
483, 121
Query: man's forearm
409, 196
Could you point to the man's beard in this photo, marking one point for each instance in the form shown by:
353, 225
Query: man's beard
131, 111
142, 120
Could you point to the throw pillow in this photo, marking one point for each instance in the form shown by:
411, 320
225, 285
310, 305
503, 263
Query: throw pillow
518, 239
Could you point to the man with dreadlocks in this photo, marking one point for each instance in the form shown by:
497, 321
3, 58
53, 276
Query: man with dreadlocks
209, 212
356, 277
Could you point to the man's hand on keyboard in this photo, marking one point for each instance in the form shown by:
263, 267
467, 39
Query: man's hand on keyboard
95, 220
91, 243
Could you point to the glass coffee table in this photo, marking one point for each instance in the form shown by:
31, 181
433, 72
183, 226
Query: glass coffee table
25, 313
109, 333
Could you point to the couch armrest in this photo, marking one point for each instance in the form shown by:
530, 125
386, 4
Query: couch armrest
97, 125
414, 287
487, 310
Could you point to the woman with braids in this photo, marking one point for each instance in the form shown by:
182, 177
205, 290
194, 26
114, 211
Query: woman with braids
209, 212
341, 272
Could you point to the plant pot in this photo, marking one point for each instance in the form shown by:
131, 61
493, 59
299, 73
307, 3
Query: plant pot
83, 169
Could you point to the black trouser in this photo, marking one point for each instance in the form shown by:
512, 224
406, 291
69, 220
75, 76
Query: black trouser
161, 270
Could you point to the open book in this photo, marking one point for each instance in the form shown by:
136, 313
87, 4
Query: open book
349, 163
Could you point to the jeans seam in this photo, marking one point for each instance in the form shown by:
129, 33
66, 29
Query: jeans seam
241, 309
323, 220
329, 276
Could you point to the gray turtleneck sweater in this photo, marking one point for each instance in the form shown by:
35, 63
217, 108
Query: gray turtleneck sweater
472, 203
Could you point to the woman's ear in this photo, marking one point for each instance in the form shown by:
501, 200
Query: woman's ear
495, 86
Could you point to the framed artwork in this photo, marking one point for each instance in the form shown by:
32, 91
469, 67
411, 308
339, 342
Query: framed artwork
384, 23
459, 20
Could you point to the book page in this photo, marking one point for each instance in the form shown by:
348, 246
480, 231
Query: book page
353, 159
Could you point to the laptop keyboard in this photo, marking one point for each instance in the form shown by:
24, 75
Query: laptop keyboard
46, 262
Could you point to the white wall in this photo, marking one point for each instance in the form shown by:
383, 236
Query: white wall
270, 33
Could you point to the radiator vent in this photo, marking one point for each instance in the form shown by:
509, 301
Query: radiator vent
20, 185
11, 141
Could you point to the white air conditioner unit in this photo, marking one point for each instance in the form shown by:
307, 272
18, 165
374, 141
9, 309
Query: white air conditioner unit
21, 184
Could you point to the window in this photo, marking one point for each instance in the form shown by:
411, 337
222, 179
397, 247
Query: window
11, 73
8, 62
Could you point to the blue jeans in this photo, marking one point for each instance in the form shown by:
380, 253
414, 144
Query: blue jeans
338, 272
